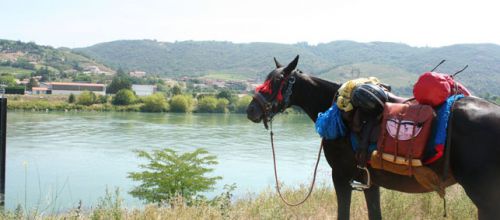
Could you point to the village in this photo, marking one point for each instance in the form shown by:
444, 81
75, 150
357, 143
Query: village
36, 85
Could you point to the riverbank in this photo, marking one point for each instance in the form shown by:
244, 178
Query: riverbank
143, 104
267, 205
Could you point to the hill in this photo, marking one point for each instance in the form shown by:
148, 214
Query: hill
398, 64
22, 59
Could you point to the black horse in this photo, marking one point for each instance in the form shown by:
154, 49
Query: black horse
474, 155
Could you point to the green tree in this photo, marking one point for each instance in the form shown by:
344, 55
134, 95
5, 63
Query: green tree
228, 95
176, 90
82, 78
242, 104
181, 103
118, 83
8, 79
120, 72
71, 98
103, 99
155, 103
32, 83
44, 73
168, 174
222, 105
86, 98
207, 104
124, 97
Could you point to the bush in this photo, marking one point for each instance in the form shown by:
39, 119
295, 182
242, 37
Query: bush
242, 104
71, 98
124, 97
86, 98
222, 105
15, 90
155, 103
207, 104
168, 174
181, 103
103, 99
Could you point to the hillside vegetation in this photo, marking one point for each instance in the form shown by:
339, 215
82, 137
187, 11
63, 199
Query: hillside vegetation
398, 64
29, 59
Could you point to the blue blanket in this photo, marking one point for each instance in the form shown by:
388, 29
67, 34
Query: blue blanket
329, 124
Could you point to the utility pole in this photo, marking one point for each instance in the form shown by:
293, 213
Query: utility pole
3, 143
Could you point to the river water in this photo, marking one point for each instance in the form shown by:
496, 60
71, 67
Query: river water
56, 159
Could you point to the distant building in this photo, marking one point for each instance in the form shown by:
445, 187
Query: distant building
139, 74
66, 88
40, 90
92, 69
144, 90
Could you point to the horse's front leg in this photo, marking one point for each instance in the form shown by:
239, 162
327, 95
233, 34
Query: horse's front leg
343, 190
372, 198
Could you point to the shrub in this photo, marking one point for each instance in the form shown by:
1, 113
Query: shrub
168, 174
181, 103
103, 99
207, 104
222, 105
155, 103
86, 98
242, 104
71, 98
124, 97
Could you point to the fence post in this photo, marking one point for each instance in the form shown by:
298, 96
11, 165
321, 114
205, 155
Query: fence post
3, 148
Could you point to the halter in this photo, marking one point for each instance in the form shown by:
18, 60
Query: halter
275, 106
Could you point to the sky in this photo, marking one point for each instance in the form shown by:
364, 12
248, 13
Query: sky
81, 23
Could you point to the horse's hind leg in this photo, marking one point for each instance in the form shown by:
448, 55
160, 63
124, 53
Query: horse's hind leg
372, 197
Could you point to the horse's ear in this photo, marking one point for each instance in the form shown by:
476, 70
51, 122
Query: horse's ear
278, 64
292, 65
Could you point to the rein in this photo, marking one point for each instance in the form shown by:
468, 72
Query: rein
270, 109
276, 172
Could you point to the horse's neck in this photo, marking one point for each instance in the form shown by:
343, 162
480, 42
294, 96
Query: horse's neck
314, 95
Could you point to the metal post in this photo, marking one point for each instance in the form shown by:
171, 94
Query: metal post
3, 144
3, 147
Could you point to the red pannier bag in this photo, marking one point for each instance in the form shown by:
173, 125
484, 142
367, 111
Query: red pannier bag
405, 130
434, 88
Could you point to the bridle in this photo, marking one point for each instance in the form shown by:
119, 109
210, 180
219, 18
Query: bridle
272, 108
275, 106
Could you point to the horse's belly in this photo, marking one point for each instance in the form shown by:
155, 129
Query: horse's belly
402, 183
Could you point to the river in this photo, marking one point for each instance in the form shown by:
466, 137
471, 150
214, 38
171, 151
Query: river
57, 159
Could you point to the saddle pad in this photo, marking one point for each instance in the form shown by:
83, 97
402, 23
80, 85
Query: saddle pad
407, 128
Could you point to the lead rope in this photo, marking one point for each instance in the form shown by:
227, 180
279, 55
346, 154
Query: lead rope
276, 172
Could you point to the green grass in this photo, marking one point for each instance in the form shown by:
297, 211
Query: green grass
225, 76
14, 71
267, 205
387, 74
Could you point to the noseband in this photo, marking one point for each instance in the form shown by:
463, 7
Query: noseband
272, 107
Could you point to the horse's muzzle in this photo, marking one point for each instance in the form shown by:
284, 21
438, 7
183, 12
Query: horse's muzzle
254, 113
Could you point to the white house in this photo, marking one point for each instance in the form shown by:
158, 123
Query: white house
144, 90
139, 74
66, 88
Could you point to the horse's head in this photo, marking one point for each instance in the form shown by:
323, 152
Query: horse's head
273, 96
